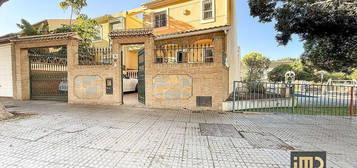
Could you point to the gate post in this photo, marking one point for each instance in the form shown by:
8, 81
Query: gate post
234, 96
352, 101
72, 62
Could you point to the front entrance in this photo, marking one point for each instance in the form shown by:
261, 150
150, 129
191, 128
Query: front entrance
133, 56
48, 73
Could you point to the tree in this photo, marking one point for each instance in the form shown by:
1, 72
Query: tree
85, 27
278, 73
335, 76
328, 29
256, 64
353, 76
75, 5
304, 72
28, 29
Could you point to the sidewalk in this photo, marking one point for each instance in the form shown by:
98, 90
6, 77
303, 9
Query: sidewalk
62, 135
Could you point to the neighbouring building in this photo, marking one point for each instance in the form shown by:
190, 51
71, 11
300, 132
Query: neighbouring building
6, 66
184, 52
113, 22
49, 25
131, 19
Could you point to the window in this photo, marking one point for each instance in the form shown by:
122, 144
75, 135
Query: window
99, 35
207, 10
208, 54
180, 56
160, 19
118, 23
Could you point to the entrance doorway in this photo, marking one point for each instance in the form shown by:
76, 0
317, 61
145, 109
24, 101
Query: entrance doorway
48, 73
133, 67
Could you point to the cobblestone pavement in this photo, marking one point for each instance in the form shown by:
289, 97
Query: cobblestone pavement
62, 135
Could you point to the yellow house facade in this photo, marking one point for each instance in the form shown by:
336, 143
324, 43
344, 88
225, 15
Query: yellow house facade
170, 16
119, 21
123, 20
175, 16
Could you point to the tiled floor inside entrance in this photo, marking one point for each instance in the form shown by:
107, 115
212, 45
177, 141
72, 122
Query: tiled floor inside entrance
62, 135
131, 99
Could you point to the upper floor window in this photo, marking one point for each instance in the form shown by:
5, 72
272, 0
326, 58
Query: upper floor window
207, 10
118, 23
99, 35
160, 19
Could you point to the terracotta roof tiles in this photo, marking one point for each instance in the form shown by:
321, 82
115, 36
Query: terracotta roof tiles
7, 38
193, 32
47, 37
131, 33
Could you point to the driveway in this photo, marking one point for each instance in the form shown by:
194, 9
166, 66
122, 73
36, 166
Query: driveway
62, 135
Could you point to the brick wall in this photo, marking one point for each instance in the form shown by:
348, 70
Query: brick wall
87, 83
208, 79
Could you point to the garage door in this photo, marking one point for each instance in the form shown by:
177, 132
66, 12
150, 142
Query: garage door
6, 85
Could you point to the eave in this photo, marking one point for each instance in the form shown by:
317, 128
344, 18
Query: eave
48, 37
161, 3
194, 32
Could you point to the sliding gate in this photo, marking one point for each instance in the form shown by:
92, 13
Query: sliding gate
48, 73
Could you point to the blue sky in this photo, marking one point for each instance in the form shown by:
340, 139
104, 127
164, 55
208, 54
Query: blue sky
252, 35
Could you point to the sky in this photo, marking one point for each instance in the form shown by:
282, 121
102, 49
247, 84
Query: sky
252, 35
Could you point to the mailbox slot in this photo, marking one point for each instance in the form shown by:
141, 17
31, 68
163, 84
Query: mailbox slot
109, 86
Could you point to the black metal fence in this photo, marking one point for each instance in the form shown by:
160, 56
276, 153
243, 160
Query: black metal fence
308, 99
95, 56
184, 54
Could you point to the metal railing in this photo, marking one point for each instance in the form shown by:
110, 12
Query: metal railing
184, 54
308, 99
95, 56
132, 74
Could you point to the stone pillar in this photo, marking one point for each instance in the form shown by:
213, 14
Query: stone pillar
219, 48
22, 74
118, 86
72, 62
13, 58
149, 61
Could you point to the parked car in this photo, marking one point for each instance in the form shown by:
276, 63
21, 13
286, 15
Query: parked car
129, 85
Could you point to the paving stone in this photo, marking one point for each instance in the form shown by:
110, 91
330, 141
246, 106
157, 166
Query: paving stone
63, 135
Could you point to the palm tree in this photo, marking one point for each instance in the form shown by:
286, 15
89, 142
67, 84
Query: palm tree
75, 5
28, 29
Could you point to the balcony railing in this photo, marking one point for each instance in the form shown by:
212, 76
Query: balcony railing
132, 74
184, 54
95, 56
